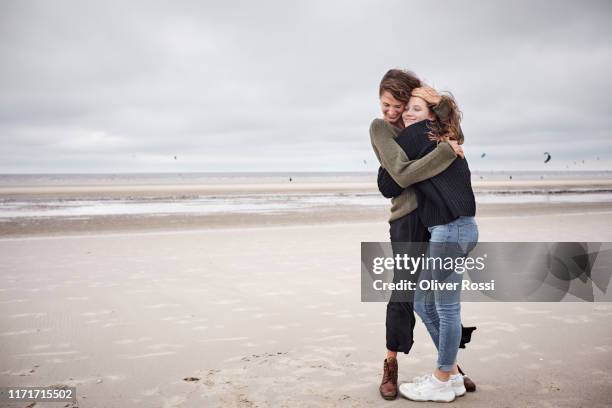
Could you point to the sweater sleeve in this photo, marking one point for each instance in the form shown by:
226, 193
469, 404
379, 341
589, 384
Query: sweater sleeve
392, 157
386, 185
442, 110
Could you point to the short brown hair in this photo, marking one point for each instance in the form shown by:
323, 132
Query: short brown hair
399, 83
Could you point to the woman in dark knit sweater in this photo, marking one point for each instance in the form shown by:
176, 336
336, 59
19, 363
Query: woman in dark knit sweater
446, 206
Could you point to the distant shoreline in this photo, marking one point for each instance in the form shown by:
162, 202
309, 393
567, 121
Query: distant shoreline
177, 190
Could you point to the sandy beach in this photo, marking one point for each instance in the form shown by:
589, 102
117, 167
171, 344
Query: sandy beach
264, 310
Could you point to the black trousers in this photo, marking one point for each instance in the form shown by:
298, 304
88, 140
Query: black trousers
400, 312
408, 235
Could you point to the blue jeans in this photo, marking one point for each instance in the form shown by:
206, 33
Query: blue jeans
440, 309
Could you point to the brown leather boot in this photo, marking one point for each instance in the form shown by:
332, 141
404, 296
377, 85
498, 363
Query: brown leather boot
388, 386
470, 386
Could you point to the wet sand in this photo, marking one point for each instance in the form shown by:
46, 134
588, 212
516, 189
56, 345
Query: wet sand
88, 225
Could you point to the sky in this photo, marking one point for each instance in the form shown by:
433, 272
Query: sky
127, 86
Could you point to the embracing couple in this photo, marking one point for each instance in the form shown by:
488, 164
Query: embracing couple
424, 172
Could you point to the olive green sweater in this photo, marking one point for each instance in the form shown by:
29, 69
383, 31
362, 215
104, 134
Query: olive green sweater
404, 171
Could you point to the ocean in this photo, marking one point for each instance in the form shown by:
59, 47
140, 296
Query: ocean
264, 177
14, 208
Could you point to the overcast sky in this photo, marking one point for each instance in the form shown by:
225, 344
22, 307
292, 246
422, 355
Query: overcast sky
101, 86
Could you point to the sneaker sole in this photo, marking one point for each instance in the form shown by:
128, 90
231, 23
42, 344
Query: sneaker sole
430, 400
450, 399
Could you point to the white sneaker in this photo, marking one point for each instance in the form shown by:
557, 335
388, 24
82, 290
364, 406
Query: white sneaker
430, 389
457, 385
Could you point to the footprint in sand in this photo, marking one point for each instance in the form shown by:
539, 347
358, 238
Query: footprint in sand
163, 305
21, 315
132, 341
20, 332
149, 355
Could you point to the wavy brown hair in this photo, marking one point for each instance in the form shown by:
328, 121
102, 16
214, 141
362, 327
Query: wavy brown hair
441, 130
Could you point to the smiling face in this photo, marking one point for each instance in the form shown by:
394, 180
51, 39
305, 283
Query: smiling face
391, 108
416, 111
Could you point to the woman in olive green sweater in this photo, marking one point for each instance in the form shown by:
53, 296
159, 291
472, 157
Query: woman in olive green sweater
395, 90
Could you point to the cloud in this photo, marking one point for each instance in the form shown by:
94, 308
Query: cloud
278, 85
